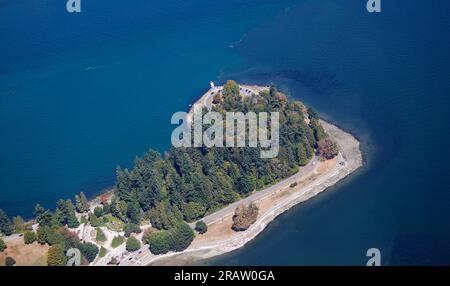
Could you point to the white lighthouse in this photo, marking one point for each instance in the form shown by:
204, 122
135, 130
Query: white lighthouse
213, 87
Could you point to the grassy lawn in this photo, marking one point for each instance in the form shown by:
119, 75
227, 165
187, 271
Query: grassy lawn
117, 241
102, 252
83, 220
100, 236
112, 223
25, 254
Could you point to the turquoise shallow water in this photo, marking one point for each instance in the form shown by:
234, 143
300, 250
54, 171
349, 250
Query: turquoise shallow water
80, 94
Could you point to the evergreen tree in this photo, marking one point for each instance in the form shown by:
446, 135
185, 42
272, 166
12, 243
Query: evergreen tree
2, 245
88, 250
159, 242
65, 214
181, 236
43, 217
130, 228
231, 95
163, 216
49, 235
93, 219
81, 203
134, 212
72, 220
302, 157
5, 224
150, 194
18, 224
246, 184
201, 227
98, 211
56, 256
84, 201
119, 209
29, 237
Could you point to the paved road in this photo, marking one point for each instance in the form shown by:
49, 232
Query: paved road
261, 194
139, 258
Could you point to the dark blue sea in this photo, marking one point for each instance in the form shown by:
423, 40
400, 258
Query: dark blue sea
83, 93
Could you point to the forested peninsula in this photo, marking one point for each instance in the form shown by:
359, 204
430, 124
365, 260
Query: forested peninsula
161, 200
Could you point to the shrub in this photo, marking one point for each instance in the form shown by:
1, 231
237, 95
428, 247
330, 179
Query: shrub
327, 149
106, 208
18, 224
9, 261
132, 244
146, 236
98, 211
244, 217
49, 235
113, 261
104, 220
83, 220
130, 228
89, 250
159, 242
163, 216
201, 227
2, 245
217, 98
29, 237
100, 237
102, 252
93, 219
193, 211
293, 185
181, 236
117, 241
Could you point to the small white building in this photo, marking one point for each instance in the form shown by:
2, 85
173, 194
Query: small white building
211, 83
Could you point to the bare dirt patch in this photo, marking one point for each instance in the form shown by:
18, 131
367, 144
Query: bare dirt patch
25, 254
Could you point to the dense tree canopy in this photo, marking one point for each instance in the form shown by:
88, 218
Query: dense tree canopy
130, 228
181, 236
187, 183
177, 238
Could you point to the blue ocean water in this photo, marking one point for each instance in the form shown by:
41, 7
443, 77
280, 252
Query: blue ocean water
82, 93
